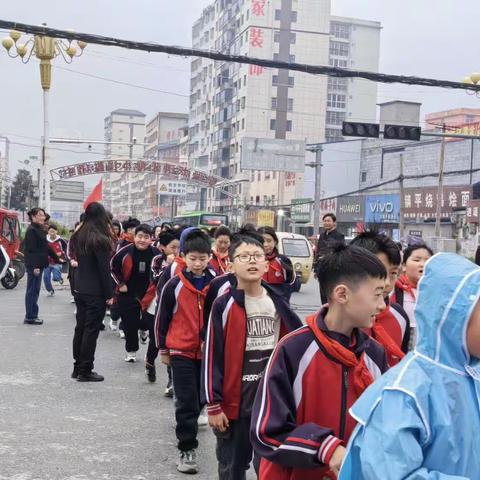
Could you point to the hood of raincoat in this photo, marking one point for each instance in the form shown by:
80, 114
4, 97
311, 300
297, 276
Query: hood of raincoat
447, 294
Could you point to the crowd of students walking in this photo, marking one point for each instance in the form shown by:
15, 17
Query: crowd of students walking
384, 363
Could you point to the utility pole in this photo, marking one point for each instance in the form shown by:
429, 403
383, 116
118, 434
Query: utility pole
318, 190
401, 226
440, 185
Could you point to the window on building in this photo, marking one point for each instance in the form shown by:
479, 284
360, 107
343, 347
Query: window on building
278, 14
338, 62
335, 83
276, 81
243, 124
340, 30
293, 37
243, 100
259, 176
339, 49
274, 103
273, 124
290, 105
274, 175
333, 134
335, 100
335, 118
289, 126
364, 177
294, 16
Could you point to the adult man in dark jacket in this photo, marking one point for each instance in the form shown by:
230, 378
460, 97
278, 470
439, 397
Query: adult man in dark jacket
326, 240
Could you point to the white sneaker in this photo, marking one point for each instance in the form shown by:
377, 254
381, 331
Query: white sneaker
72, 300
75, 311
121, 333
187, 463
51, 293
143, 336
113, 325
202, 420
131, 357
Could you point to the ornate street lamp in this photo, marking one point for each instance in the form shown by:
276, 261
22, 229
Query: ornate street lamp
45, 49
473, 79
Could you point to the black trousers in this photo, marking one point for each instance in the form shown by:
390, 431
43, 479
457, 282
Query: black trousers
131, 313
186, 383
234, 450
152, 351
90, 312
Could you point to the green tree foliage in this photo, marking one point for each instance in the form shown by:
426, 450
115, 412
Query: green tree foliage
22, 191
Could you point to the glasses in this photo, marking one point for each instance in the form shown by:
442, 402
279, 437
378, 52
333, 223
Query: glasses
247, 257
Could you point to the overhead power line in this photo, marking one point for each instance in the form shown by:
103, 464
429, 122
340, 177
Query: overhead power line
219, 56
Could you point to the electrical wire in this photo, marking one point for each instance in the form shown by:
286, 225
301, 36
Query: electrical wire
219, 56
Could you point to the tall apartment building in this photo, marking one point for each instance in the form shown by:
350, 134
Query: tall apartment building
122, 125
354, 44
231, 101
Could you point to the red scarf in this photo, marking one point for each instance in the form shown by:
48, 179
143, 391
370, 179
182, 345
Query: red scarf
381, 335
362, 377
222, 260
406, 285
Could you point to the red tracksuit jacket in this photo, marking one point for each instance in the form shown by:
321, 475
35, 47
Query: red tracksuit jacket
179, 319
121, 266
224, 350
301, 409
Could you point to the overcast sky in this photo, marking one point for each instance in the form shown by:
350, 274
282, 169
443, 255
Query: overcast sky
426, 38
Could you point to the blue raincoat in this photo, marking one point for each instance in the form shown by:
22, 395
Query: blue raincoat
421, 420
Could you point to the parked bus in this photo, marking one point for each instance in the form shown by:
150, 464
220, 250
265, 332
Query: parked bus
201, 219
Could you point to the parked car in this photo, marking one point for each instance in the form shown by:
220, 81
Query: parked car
299, 250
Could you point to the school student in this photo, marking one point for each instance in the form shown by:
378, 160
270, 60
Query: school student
178, 325
300, 421
280, 269
222, 239
244, 326
414, 259
421, 419
392, 326
130, 268
58, 245
168, 244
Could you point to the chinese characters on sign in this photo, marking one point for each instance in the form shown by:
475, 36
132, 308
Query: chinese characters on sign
422, 202
136, 166
258, 8
255, 70
256, 37
473, 211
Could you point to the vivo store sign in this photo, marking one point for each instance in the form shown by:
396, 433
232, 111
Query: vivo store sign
382, 208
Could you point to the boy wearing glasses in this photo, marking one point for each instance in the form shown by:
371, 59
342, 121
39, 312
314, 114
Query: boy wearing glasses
244, 326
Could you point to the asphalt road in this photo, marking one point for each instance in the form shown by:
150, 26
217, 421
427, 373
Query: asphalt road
52, 427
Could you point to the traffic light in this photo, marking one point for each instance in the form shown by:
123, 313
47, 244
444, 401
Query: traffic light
402, 132
355, 129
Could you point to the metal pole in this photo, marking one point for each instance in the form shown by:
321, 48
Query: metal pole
401, 226
318, 190
472, 149
44, 180
440, 186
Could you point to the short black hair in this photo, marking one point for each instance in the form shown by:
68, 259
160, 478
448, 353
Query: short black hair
268, 231
243, 239
331, 215
222, 230
130, 223
197, 241
376, 243
34, 212
348, 264
145, 228
411, 248
167, 237
52, 225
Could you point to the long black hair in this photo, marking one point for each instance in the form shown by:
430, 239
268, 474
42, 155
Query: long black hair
96, 232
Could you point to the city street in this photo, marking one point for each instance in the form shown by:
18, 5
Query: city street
52, 427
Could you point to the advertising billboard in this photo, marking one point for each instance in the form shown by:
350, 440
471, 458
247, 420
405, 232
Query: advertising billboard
351, 209
382, 208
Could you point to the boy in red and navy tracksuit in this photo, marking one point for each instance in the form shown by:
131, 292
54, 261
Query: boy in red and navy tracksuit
178, 325
130, 268
244, 326
57, 245
392, 326
300, 420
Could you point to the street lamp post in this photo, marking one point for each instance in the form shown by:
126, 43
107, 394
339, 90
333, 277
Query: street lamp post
45, 49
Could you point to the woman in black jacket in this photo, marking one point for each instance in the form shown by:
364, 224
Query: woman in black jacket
91, 247
36, 253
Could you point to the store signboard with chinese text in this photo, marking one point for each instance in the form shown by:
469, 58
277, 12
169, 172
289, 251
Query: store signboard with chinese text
473, 211
301, 210
382, 208
422, 202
